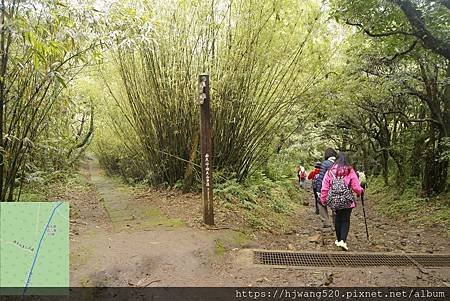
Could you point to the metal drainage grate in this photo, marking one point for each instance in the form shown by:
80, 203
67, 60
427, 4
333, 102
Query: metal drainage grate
348, 259
292, 259
359, 260
432, 260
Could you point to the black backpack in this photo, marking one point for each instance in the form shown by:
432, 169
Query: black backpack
315, 183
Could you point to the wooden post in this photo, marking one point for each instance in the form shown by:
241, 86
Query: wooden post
206, 149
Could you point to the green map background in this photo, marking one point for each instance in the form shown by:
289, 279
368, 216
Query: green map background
25, 223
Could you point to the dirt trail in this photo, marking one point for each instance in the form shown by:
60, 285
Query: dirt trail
386, 235
120, 240
135, 244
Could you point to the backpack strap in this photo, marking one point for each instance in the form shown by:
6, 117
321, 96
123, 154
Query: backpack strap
332, 174
341, 177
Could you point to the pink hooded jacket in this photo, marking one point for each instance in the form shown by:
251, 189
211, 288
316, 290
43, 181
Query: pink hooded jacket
350, 179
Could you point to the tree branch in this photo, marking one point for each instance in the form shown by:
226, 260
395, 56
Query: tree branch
415, 19
399, 54
379, 35
446, 3
88, 134
425, 120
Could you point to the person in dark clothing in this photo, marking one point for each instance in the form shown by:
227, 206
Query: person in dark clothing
342, 227
330, 157
313, 177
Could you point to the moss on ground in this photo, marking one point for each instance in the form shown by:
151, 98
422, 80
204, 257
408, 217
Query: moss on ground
143, 218
220, 248
229, 240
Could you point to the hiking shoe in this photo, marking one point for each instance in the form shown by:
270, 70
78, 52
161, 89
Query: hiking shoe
343, 245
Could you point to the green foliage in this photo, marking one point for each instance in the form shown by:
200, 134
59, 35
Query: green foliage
381, 18
266, 203
305, 148
44, 46
41, 185
287, 82
263, 58
220, 248
117, 161
411, 207
231, 191
255, 222
393, 96
445, 155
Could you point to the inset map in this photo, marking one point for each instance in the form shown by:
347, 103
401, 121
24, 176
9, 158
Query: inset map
34, 247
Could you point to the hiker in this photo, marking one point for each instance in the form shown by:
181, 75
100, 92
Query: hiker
330, 156
313, 175
337, 186
301, 176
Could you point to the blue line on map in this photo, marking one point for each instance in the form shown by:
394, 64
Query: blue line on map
39, 246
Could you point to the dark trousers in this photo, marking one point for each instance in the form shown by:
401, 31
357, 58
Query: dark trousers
342, 223
316, 197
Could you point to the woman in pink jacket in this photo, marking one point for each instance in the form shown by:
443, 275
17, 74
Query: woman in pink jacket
341, 169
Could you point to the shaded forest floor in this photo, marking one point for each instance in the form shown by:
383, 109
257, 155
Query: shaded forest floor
145, 237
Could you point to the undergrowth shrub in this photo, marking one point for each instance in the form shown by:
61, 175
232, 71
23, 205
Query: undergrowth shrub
410, 205
266, 204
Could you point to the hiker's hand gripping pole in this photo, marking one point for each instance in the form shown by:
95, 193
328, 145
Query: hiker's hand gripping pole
364, 212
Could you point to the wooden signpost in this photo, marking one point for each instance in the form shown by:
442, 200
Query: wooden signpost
206, 149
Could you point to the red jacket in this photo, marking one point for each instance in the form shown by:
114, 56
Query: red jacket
313, 173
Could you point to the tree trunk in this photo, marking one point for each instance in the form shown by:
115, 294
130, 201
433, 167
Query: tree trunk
416, 158
446, 100
436, 166
437, 161
385, 158
415, 19
400, 177
435, 174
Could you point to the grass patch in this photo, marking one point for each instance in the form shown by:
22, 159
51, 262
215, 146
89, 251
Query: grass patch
230, 239
220, 248
411, 207
141, 218
239, 239
32, 196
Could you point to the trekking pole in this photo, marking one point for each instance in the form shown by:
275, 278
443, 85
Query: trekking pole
364, 212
